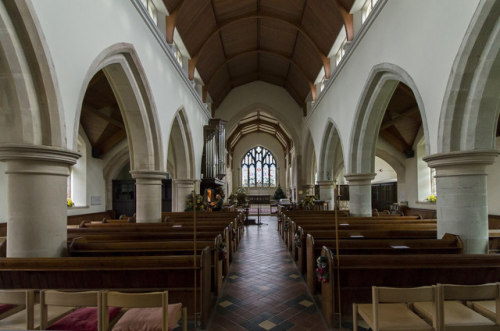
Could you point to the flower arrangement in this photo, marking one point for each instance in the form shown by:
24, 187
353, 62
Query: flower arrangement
196, 204
322, 269
432, 198
308, 202
222, 251
69, 202
296, 239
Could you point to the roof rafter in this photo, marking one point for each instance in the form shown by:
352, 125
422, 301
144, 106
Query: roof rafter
194, 59
171, 21
262, 51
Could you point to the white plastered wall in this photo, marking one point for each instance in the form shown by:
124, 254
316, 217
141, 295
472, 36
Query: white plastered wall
3, 192
397, 36
254, 140
493, 183
74, 48
266, 97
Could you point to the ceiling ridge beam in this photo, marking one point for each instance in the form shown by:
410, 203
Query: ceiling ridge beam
194, 59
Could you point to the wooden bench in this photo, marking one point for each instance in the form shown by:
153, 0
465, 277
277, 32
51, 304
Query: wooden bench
358, 273
146, 273
449, 244
113, 246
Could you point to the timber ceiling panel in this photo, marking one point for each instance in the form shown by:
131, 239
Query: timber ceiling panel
100, 116
277, 36
241, 37
299, 32
291, 10
226, 10
243, 65
402, 120
269, 65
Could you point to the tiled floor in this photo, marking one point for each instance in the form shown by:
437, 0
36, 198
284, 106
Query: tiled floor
264, 290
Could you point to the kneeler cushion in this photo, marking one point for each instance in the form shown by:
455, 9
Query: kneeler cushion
5, 307
148, 319
82, 319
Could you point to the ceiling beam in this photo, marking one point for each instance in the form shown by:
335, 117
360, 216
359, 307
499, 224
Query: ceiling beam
399, 116
105, 117
261, 51
171, 21
348, 20
194, 59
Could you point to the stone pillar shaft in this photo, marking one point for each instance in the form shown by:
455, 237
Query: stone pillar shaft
327, 193
181, 189
360, 194
148, 195
462, 202
37, 191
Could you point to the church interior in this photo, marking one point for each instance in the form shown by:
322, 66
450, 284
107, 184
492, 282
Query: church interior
249, 165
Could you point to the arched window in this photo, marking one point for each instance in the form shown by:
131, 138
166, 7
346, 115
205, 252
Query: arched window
258, 168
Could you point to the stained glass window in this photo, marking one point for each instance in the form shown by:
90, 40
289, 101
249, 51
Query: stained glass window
258, 168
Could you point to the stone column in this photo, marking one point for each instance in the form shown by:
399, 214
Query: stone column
360, 194
307, 189
462, 202
180, 191
327, 192
148, 195
37, 191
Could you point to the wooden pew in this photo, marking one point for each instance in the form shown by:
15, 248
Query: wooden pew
93, 217
449, 244
358, 273
144, 273
112, 246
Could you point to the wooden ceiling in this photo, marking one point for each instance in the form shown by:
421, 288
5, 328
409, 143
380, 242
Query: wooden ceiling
282, 42
100, 116
401, 121
255, 123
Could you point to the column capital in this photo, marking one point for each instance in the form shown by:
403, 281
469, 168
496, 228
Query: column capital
185, 181
326, 183
20, 152
461, 163
360, 179
148, 174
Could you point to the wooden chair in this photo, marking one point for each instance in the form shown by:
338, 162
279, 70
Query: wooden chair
69, 299
23, 300
138, 312
390, 309
455, 315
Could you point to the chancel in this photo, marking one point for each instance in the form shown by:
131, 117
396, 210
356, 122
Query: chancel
249, 164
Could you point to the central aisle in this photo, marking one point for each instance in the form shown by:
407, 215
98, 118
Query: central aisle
263, 290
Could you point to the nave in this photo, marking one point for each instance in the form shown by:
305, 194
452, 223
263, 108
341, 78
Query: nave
264, 290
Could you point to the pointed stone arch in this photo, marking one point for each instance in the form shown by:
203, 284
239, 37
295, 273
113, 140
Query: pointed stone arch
471, 104
378, 91
332, 157
31, 111
181, 160
121, 66
182, 144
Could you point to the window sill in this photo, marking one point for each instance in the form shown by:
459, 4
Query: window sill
78, 207
426, 202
